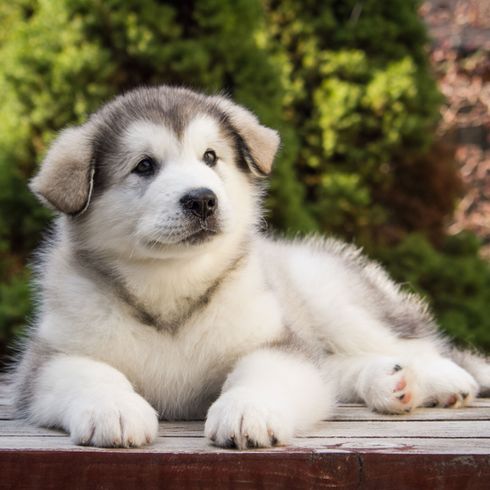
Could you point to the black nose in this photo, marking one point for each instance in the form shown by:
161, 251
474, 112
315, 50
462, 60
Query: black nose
201, 202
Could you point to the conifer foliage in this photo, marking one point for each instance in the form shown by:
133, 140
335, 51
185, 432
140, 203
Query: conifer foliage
346, 83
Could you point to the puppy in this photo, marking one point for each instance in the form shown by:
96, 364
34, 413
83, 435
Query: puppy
160, 298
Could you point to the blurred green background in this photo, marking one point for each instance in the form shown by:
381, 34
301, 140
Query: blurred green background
347, 83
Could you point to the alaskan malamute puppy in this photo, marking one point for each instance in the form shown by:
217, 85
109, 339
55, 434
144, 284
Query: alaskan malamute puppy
159, 298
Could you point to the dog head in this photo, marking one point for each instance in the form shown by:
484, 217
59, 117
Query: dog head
159, 172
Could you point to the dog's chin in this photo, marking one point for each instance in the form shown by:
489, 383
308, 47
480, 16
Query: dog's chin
190, 238
200, 236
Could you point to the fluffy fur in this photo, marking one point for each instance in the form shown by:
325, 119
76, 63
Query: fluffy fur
154, 304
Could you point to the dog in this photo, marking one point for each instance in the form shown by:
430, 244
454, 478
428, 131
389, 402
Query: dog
160, 298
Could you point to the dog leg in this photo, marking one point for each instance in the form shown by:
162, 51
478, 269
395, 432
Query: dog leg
266, 400
398, 384
92, 401
476, 364
443, 383
384, 383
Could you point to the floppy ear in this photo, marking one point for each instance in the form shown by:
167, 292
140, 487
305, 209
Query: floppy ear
261, 142
65, 179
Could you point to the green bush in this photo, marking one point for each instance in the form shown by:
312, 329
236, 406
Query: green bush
61, 60
454, 280
345, 82
362, 100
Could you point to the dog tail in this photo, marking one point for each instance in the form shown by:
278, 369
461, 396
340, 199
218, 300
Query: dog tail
477, 364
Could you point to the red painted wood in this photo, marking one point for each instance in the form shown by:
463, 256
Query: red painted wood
425, 472
111, 469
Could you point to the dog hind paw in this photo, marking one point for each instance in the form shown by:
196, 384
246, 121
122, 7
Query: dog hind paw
445, 384
387, 386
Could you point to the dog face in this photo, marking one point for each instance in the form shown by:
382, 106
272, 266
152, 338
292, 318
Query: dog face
159, 172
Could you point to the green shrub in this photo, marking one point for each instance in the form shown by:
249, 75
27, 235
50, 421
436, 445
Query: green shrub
455, 280
61, 60
362, 99
345, 82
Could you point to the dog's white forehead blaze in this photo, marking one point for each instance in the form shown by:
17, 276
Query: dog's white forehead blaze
202, 133
143, 137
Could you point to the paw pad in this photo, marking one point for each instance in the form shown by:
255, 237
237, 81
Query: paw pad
387, 387
400, 385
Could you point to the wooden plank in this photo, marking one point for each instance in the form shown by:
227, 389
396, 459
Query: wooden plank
429, 428
321, 445
406, 472
430, 449
271, 470
352, 429
362, 413
176, 471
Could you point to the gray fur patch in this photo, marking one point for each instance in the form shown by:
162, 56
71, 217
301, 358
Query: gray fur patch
111, 281
291, 343
36, 354
406, 314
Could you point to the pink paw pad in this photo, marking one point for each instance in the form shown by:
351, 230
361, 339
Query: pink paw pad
451, 401
400, 385
405, 398
400, 390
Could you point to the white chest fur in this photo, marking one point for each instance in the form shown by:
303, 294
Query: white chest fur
178, 372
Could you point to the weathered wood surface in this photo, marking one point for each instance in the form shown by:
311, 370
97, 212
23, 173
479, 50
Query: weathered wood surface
433, 449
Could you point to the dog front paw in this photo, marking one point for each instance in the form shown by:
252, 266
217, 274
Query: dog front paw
122, 419
239, 419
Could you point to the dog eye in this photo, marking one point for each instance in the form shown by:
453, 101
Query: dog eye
145, 168
210, 158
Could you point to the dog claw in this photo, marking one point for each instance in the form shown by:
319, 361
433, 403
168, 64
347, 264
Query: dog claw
231, 443
251, 444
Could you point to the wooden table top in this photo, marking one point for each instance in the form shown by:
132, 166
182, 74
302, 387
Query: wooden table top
431, 448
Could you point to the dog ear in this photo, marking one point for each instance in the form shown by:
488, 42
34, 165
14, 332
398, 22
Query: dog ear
261, 142
65, 179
